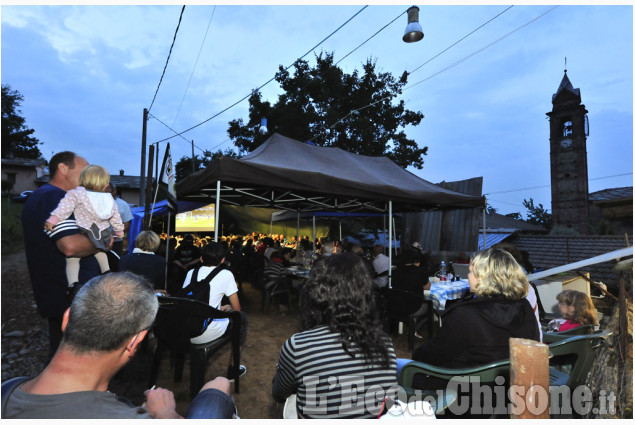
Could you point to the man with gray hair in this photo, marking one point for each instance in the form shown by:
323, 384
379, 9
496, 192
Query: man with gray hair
108, 319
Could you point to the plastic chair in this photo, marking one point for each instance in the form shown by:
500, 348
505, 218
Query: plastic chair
401, 306
577, 354
279, 287
172, 333
487, 374
549, 337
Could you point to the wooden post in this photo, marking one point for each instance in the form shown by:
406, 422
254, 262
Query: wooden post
529, 379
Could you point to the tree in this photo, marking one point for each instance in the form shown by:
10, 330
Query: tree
324, 105
17, 139
490, 209
514, 215
183, 167
537, 214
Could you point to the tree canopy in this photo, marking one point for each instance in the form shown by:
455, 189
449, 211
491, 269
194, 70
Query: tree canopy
537, 214
322, 104
17, 139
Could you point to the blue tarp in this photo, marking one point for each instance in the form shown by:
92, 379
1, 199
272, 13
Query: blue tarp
160, 208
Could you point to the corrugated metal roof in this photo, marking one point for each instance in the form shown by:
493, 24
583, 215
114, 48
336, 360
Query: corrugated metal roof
491, 239
614, 194
546, 252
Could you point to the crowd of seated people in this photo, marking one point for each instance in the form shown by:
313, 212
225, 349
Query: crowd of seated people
341, 324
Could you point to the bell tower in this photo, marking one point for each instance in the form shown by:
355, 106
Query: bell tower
568, 131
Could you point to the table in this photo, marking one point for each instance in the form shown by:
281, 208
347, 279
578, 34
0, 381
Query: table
441, 292
298, 272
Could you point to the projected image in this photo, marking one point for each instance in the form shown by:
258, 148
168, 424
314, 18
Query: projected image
199, 220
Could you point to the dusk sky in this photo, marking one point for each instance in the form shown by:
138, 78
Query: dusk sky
87, 72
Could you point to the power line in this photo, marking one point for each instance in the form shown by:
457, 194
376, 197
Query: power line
457, 42
168, 59
429, 60
195, 63
270, 80
480, 50
548, 185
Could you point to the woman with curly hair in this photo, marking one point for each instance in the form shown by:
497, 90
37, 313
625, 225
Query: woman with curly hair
576, 308
341, 365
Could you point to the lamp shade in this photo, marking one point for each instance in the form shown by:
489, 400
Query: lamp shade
413, 31
263, 126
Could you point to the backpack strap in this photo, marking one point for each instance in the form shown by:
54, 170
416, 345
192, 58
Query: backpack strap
7, 390
206, 281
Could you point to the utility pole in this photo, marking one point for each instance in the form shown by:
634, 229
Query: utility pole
142, 180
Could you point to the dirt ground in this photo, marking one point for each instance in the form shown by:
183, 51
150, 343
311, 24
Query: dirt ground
265, 336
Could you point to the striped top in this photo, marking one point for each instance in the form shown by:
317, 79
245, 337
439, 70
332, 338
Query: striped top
328, 382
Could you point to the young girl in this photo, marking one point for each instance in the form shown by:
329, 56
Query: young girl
576, 308
95, 211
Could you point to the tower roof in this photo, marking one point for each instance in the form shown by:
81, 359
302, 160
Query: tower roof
565, 85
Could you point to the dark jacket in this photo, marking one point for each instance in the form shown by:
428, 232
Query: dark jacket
476, 331
150, 266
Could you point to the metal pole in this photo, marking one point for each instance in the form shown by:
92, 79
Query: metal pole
389, 244
193, 162
146, 216
313, 232
297, 232
142, 178
167, 255
217, 211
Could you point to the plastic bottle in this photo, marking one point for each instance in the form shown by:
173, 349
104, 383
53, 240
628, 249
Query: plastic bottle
443, 273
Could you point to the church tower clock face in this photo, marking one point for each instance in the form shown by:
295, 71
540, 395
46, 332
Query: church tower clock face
566, 143
569, 177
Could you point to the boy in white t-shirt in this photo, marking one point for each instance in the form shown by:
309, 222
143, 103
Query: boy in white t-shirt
223, 284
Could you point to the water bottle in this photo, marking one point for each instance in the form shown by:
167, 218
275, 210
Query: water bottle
443, 273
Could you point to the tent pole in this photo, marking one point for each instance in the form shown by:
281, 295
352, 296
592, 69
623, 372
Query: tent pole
313, 232
297, 235
167, 255
389, 244
217, 211
340, 221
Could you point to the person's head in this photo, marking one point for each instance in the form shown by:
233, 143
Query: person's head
188, 240
339, 295
112, 189
148, 241
494, 272
108, 312
212, 254
65, 168
410, 257
577, 306
378, 249
95, 178
357, 250
328, 249
286, 254
513, 250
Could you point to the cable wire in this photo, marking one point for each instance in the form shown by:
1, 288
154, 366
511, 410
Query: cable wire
270, 80
195, 63
480, 50
457, 42
168, 59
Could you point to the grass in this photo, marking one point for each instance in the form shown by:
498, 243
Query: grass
12, 240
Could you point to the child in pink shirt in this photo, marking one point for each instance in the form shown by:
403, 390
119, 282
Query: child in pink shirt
95, 211
577, 308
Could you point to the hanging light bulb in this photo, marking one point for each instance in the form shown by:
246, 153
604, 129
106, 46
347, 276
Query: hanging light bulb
263, 126
413, 31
